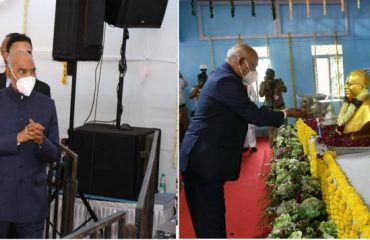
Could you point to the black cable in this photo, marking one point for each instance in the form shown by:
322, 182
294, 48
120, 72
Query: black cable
97, 92
95, 86
97, 121
97, 82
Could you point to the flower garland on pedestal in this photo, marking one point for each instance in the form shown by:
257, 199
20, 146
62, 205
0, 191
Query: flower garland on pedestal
304, 133
349, 107
347, 209
349, 212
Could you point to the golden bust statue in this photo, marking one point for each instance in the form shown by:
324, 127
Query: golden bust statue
354, 114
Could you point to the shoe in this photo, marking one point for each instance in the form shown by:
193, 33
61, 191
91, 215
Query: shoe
245, 149
254, 149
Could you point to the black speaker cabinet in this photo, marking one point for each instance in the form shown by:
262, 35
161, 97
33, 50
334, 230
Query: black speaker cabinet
78, 30
135, 13
110, 160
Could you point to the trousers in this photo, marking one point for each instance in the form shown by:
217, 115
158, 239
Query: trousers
22, 230
206, 202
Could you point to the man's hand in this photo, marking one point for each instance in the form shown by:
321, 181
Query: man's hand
22, 136
296, 112
35, 132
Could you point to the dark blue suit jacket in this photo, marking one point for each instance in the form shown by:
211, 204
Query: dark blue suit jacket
23, 179
212, 146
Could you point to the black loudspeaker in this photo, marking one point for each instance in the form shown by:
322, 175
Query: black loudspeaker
135, 13
78, 30
110, 160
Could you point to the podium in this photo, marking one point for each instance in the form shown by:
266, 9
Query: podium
111, 161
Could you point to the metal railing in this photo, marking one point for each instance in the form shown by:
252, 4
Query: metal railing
145, 204
62, 176
143, 226
103, 228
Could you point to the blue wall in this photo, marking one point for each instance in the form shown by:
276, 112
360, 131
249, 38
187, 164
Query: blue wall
356, 46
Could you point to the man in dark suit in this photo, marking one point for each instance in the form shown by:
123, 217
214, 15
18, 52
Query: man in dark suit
29, 139
211, 150
15, 41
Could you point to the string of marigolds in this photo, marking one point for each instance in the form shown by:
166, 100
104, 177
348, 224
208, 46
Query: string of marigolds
211, 52
273, 9
238, 39
342, 5
337, 61
308, 14
292, 73
304, 133
193, 12
211, 8
64, 78
268, 49
306, 136
253, 5
324, 7
232, 6
25, 14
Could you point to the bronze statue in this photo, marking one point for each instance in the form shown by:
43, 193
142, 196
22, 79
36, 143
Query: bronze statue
354, 115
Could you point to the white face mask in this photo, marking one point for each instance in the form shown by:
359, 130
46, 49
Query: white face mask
250, 77
25, 85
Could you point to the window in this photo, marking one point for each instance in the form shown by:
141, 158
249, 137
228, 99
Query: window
263, 64
328, 70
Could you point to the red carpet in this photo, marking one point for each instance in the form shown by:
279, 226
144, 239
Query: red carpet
243, 207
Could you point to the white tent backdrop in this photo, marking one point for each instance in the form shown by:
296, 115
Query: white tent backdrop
150, 86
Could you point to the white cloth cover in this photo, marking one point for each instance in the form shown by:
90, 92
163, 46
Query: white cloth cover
162, 212
250, 139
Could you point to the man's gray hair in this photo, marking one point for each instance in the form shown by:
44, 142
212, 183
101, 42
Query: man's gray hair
233, 54
14, 53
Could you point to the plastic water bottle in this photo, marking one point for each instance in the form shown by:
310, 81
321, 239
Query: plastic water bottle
162, 183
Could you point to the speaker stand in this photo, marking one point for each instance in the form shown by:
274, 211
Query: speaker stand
122, 66
89, 209
72, 71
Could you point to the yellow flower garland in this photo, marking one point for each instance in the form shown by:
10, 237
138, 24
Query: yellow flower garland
25, 14
64, 78
349, 212
304, 134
